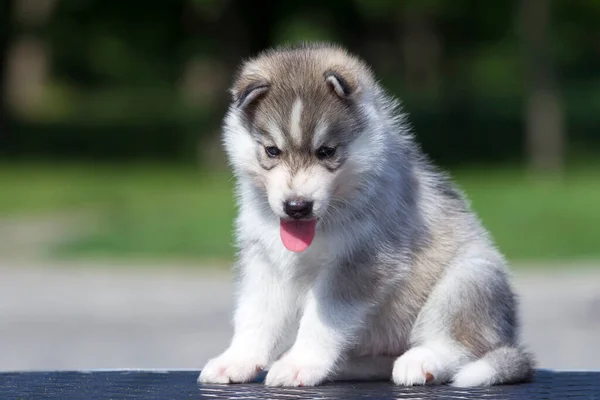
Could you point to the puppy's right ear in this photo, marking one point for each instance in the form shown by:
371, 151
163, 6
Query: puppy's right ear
248, 89
343, 84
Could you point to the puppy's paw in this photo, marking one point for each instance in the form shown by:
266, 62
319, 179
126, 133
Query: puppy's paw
477, 373
297, 371
418, 366
228, 368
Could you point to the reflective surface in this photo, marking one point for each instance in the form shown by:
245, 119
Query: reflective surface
182, 385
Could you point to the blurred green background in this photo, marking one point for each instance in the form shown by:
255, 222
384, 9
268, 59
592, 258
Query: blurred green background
110, 115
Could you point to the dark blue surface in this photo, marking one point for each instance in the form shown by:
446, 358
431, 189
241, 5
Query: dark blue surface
182, 385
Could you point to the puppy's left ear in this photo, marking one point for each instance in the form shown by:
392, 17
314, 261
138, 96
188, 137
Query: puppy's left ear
249, 89
344, 85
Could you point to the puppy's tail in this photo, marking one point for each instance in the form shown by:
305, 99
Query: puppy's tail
502, 365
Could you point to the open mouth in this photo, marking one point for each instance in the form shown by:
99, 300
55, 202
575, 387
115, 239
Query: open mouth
297, 234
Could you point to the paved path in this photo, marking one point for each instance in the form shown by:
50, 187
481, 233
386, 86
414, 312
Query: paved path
110, 316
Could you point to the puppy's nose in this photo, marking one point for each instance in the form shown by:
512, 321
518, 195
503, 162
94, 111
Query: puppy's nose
298, 208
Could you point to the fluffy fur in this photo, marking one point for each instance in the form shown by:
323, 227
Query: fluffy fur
401, 282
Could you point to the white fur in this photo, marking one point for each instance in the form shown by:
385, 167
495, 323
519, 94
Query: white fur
336, 86
314, 353
328, 322
295, 126
413, 366
238, 144
314, 183
319, 134
302, 286
477, 373
439, 357
253, 96
277, 189
276, 134
246, 356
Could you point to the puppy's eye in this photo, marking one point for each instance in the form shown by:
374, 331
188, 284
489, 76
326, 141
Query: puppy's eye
272, 151
325, 152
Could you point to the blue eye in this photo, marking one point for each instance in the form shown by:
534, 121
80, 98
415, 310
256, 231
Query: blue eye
272, 151
325, 152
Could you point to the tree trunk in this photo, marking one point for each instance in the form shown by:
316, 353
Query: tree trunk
543, 110
421, 50
5, 31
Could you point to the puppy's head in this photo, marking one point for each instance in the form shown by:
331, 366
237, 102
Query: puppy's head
297, 128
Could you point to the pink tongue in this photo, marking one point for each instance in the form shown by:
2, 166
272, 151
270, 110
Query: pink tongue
297, 235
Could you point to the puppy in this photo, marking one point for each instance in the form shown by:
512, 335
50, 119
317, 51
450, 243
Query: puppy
358, 259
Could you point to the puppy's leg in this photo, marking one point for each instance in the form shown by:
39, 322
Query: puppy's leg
365, 368
336, 308
470, 312
261, 318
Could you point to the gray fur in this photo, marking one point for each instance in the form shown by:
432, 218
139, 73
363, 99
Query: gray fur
512, 363
400, 266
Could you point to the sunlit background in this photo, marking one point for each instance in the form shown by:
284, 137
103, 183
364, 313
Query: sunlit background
115, 197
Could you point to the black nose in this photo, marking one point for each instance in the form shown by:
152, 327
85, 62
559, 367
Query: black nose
298, 208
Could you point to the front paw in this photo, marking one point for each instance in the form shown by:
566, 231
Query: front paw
228, 368
292, 370
418, 366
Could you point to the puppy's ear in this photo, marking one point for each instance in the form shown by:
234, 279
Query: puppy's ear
248, 89
343, 85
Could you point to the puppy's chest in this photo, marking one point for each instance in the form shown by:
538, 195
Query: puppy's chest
323, 252
305, 265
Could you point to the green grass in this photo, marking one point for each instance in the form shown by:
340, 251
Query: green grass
532, 218
168, 212
145, 211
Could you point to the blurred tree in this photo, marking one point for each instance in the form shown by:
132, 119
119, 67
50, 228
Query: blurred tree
28, 61
5, 34
421, 45
148, 78
544, 115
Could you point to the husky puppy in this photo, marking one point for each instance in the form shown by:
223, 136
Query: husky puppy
357, 258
